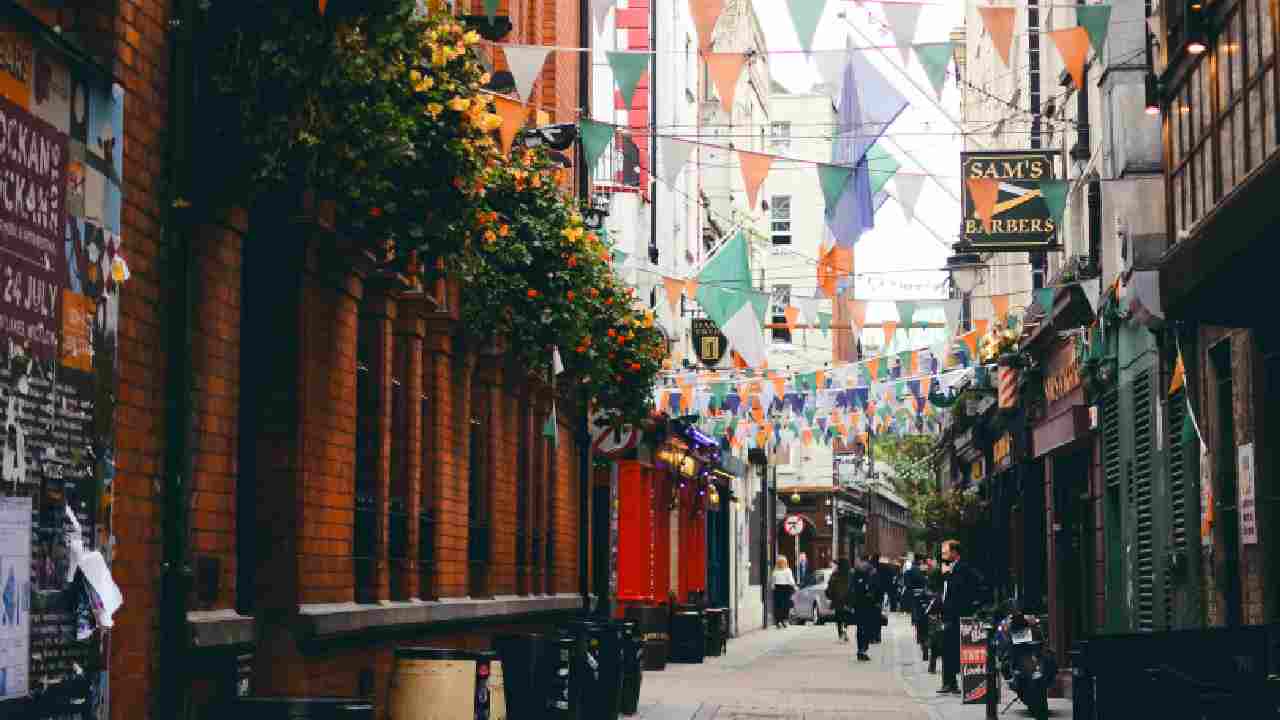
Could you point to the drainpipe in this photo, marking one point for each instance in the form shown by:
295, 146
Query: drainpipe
178, 270
584, 435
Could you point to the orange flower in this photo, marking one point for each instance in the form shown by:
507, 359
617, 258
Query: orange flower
595, 292
608, 301
573, 261
375, 212
504, 230
635, 366
532, 293
571, 295
612, 332
490, 237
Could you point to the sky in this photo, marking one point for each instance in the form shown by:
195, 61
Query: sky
921, 139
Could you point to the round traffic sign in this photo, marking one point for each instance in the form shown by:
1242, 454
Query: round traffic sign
611, 442
794, 525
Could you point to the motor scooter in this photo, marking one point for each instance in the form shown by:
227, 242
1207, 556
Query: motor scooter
1026, 664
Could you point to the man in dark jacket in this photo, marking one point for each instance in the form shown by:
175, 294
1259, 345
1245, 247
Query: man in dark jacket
913, 596
866, 608
959, 591
840, 593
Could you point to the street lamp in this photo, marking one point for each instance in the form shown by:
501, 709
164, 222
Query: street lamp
967, 273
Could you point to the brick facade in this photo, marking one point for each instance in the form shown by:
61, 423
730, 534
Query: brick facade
298, 334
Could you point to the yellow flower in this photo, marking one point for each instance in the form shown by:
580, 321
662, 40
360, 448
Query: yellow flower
471, 38
485, 78
438, 56
491, 121
572, 234
435, 109
459, 104
423, 84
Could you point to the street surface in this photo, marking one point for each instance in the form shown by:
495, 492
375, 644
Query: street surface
802, 673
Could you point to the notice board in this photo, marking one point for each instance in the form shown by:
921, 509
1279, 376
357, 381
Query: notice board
61, 270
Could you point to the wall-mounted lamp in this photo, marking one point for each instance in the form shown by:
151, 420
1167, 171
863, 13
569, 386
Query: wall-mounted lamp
1152, 94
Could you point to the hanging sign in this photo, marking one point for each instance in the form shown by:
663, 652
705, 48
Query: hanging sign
1206, 498
1002, 202
613, 442
1002, 452
978, 470
1248, 511
708, 342
1064, 374
973, 660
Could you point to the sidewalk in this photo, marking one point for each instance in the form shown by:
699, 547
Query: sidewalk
802, 673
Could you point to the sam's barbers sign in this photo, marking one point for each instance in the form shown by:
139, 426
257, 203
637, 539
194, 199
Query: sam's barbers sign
1020, 220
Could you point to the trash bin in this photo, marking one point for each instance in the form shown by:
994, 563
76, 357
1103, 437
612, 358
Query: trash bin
688, 636
715, 631
561, 693
440, 684
297, 708
526, 666
600, 667
632, 666
654, 622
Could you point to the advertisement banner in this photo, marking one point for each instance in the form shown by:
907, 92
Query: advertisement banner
973, 660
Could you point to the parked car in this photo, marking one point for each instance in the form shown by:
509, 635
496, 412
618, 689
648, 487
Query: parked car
810, 603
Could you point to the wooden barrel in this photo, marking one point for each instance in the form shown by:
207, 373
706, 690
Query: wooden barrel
440, 684
497, 692
654, 623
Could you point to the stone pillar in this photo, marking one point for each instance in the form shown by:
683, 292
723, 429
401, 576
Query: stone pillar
373, 461
410, 333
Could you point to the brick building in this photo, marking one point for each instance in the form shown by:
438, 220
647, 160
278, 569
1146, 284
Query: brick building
361, 473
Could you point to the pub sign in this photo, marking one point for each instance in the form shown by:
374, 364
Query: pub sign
1020, 220
708, 342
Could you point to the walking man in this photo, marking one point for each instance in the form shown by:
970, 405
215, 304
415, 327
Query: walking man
913, 592
839, 587
957, 600
866, 607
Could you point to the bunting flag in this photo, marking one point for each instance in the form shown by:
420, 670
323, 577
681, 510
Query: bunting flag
1092, 292
600, 12
873, 366
725, 69
490, 10
705, 15
1055, 196
549, 429
1179, 376
830, 67
824, 322
1000, 308
1095, 19
674, 154
628, 67
1044, 298
322, 5
673, 287
909, 362
903, 19
890, 329
755, 167
724, 292
557, 365
805, 15
983, 192
691, 287
909, 187
792, 314
981, 325
512, 113
951, 310
835, 264
833, 179
596, 137
934, 58
906, 312
999, 23
525, 62
970, 340
881, 166
1073, 47
857, 314
808, 308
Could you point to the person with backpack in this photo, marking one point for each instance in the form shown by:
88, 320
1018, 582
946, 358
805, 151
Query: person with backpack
839, 589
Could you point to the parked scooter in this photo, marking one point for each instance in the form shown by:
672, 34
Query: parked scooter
1027, 665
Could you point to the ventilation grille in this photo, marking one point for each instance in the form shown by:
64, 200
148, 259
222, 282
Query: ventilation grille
1111, 439
1177, 493
1140, 492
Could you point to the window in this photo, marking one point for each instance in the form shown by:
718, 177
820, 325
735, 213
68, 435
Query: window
780, 218
426, 514
364, 540
477, 510
778, 310
780, 132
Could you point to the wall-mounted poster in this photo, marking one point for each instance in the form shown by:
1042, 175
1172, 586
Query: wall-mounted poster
61, 166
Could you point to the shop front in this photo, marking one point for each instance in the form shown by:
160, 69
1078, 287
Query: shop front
1063, 441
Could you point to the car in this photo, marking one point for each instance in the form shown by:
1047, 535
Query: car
810, 603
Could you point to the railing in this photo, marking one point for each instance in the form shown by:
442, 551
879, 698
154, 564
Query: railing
363, 546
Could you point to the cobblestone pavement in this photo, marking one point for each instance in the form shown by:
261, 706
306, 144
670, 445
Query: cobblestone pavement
803, 673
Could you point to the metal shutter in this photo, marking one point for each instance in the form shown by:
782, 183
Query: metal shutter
1140, 486
1111, 438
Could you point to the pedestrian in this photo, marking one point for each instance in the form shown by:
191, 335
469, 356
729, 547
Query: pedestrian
839, 586
802, 568
866, 608
958, 591
933, 614
784, 586
877, 595
913, 595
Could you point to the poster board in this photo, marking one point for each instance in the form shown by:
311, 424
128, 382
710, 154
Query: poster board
973, 660
61, 269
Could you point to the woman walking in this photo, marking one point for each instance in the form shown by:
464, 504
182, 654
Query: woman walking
784, 586
838, 588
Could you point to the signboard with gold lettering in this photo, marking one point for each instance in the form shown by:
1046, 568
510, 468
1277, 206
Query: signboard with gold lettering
1063, 374
1020, 219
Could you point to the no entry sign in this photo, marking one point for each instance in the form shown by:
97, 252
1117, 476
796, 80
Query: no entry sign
794, 525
